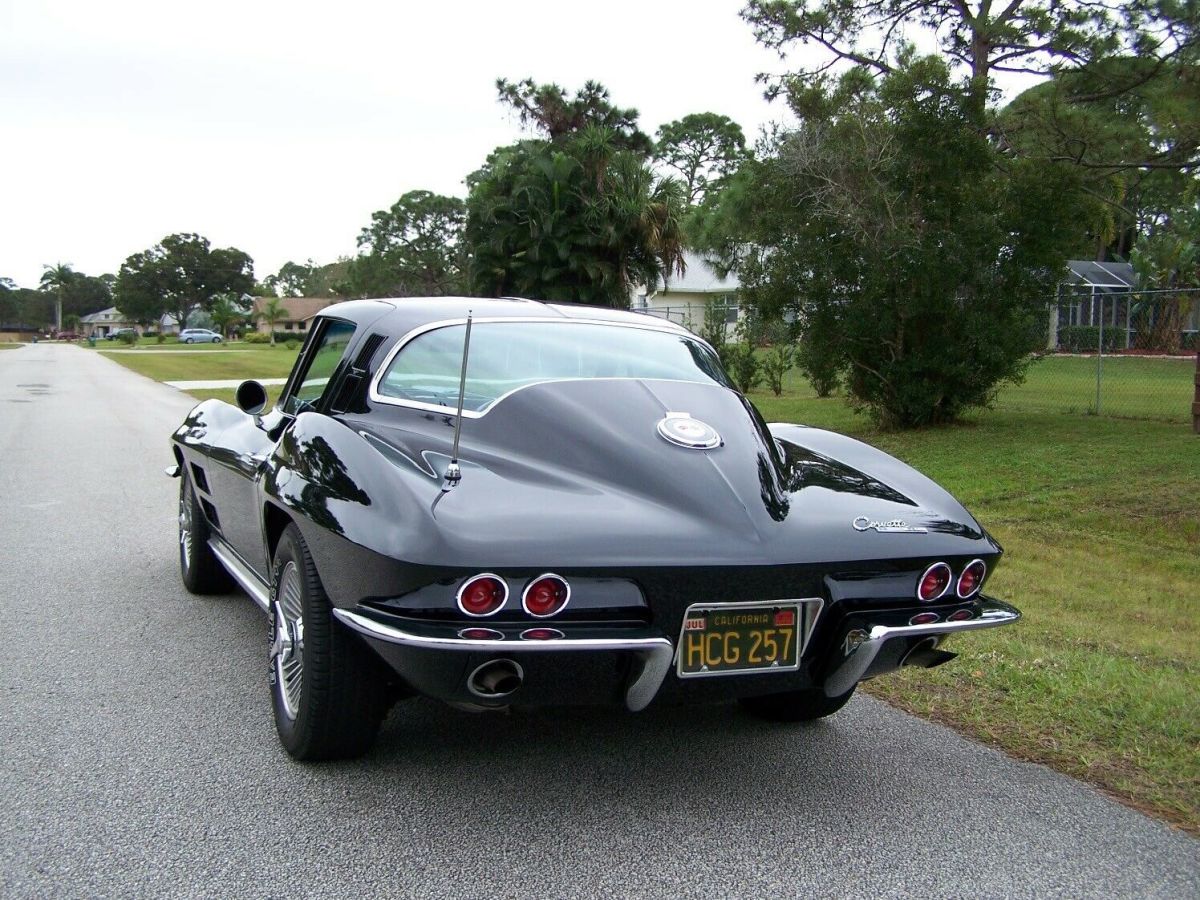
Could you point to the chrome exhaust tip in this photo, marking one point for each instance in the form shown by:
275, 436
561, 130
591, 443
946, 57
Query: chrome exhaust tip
495, 679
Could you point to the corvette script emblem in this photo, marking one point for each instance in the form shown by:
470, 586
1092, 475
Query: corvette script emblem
891, 526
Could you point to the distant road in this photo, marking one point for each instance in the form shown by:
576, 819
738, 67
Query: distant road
138, 757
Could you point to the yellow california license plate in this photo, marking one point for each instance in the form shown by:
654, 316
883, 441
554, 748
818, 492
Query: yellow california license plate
731, 638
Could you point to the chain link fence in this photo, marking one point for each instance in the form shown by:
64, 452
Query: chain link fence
1129, 354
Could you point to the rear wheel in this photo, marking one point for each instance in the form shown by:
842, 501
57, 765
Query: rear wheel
329, 692
795, 706
187, 340
201, 571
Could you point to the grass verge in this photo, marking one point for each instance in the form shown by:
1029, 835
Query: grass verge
1102, 531
213, 362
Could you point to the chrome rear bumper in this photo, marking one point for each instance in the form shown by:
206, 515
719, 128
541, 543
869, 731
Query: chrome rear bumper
855, 665
653, 652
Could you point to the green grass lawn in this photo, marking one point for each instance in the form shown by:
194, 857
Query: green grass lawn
9, 345
1101, 524
205, 361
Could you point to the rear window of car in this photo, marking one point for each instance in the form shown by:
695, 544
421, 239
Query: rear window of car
506, 356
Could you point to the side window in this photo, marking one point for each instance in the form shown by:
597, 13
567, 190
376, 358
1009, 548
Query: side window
327, 351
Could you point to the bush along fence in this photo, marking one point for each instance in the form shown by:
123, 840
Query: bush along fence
1139, 344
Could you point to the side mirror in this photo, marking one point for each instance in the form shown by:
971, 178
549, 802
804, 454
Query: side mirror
251, 397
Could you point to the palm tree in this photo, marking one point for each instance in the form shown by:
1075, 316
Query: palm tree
271, 311
226, 313
56, 278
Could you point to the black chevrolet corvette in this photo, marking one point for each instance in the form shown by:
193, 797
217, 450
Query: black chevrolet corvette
505, 502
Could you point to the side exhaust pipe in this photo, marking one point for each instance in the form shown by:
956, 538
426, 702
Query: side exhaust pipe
495, 679
926, 655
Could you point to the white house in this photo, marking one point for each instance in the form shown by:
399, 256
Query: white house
684, 298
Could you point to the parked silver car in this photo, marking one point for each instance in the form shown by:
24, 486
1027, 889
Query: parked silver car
198, 336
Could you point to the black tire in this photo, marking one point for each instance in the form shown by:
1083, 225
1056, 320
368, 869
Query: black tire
331, 705
187, 340
216, 340
795, 706
199, 568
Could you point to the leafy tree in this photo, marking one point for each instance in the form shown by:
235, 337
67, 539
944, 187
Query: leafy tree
331, 279
271, 311
1134, 150
1042, 37
1167, 259
918, 259
703, 148
412, 249
291, 280
178, 274
545, 108
23, 306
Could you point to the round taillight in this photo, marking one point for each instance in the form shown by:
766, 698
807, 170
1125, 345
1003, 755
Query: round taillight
935, 582
546, 595
971, 578
960, 615
482, 595
925, 618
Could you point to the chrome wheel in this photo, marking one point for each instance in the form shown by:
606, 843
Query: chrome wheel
185, 527
287, 639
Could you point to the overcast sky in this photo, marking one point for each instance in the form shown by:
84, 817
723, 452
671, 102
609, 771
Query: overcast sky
278, 128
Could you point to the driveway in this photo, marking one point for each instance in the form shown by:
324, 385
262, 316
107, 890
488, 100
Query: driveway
139, 758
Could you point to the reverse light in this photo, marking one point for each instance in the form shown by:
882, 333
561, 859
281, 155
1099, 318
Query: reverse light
482, 595
541, 634
546, 595
481, 634
971, 578
934, 582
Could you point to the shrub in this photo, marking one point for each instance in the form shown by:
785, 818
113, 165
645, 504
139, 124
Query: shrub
256, 337
742, 365
292, 344
1086, 338
160, 338
714, 330
776, 363
772, 332
129, 338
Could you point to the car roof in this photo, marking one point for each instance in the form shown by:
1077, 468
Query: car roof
406, 313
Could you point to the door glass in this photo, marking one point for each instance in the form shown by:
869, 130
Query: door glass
331, 346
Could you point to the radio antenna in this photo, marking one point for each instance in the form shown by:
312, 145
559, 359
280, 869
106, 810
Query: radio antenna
454, 470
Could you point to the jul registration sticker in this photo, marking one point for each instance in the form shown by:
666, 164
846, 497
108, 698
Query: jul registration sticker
695, 623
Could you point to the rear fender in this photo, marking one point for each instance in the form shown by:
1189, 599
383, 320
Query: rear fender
360, 513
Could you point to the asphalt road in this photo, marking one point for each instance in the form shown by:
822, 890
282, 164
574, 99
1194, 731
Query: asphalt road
138, 757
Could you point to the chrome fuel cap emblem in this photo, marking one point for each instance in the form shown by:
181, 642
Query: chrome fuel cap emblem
684, 431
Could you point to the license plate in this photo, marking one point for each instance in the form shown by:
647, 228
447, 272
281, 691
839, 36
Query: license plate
732, 638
